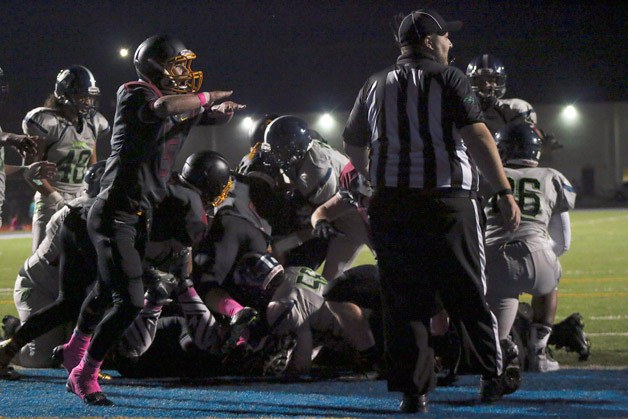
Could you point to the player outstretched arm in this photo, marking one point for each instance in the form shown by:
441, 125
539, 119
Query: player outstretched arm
169, 105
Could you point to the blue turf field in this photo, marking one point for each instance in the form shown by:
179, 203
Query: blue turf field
566, 393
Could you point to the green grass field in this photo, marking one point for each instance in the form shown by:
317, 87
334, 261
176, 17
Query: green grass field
595, 282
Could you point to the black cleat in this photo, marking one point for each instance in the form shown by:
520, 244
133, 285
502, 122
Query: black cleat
8, 373
413, 403
492, 389
9, 326
97, 399
569, 334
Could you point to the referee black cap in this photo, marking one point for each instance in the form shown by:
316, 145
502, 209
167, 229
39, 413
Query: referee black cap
424, 22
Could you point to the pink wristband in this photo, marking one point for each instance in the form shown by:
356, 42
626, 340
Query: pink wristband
202, 98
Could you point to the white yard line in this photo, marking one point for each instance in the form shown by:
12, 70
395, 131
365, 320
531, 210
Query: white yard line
600, 220
21, 235
608, 334
624, 317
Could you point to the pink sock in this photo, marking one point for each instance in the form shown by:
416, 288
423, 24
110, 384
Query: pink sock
229, 307
83, 379
74, 350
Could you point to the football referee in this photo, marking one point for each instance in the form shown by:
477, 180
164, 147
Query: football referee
417, 132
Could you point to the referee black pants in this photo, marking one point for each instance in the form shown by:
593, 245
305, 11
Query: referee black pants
427, 248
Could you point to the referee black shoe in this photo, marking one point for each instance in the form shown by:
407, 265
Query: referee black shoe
493, 388
413, 403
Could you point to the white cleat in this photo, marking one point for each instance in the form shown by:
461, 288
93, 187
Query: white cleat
542, 362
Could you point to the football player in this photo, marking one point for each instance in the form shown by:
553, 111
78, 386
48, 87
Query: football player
527, 260
292, 303
24, 145
314, 170
53, 282
239, 226
487, 76
68, 127
153, 118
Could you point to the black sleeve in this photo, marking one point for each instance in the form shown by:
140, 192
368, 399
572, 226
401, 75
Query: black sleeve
461, 98
357, 131
229, 238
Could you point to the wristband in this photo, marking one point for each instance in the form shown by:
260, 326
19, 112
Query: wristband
502, 193
203, 98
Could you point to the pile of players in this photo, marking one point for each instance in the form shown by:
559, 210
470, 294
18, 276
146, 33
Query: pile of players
214, 271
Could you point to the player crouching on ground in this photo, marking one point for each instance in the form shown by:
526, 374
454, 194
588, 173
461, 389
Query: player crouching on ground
526, 260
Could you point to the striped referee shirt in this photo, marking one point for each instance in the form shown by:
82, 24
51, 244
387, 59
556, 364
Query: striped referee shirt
409, 116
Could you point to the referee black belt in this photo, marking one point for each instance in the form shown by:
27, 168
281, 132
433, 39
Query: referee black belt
429, 193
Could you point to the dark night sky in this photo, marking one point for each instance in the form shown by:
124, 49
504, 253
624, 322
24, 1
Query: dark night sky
301, 56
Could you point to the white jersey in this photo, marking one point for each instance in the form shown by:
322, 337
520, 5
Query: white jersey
66, 145
302, 294
521, 107
540, 193
42, 267
318, 175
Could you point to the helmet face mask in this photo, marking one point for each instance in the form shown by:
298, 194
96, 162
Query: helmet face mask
76, 87
167, 63
179, 74
520, 144
487, 76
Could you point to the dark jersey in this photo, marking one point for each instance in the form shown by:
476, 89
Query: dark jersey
179, 216
143, 149
235, 230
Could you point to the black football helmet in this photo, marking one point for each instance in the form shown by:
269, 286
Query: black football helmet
208, 172
520, 143
258, 272
76, 86
287, 139
4, 87
258, 128
93, 176
163, 57
484, 67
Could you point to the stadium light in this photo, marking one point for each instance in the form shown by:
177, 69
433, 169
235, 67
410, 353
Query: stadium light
124, 52
246, 123
326, 121
570, 114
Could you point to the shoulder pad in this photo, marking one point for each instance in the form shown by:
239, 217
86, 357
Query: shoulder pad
40, 121
143, 84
